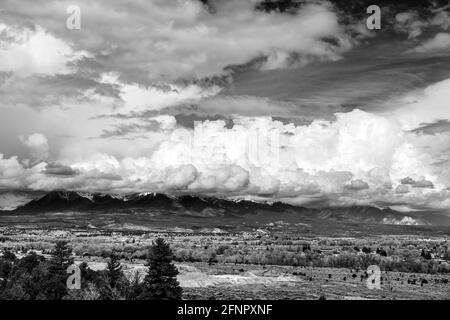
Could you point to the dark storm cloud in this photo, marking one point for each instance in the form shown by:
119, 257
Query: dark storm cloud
354, 8
57, 169
188, 120
407, 180
423, 184
376, 69
364, 79
433, 128
417, 184
357, 185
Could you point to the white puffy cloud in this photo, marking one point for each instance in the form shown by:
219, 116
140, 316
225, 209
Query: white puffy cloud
181, 177
11, 172
402, 189
360, 158
225, 179
37, 143
421, 106
26, 51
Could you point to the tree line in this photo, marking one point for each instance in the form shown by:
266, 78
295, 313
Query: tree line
33, 277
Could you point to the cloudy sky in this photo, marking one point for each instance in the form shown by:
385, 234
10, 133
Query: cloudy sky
299, 103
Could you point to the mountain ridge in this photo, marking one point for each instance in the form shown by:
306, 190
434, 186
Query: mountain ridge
204, 206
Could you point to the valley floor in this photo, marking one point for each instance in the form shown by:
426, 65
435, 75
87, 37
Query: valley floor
276, 282
262, 265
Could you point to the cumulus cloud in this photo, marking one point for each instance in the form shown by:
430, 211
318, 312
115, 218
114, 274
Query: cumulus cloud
27, 51
11, 172
353, 160
37, 144
401, 189
231, 178
181, 177
115, 114
415, 112
426, 105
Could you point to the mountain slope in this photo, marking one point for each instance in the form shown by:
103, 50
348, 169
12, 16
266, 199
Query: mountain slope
196, 206
10, 200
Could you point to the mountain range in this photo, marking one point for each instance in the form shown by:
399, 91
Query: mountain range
210, 207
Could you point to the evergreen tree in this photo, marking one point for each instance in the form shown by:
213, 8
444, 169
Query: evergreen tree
135, 287
62, 255
56, 286
106, 292
26, 278
161, 283
114, 270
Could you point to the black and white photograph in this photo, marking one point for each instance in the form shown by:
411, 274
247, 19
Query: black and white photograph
231, 150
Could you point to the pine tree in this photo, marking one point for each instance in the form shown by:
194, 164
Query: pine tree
55, 286
135, 288
62, 255
114, 270
160, 283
